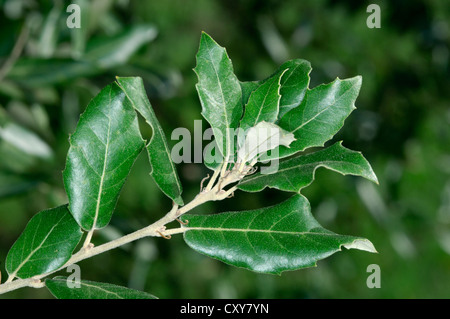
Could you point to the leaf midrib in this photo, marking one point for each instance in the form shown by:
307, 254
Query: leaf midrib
325, 109
102, 177
102, 289
36, 249
246, 230
265, 98
224, 106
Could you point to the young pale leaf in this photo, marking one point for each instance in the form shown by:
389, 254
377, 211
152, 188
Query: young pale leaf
102, 150
59, 288
163, 169
261, 138
297, 173
219, 92
268, 240
320, 115
263, 103
45, 245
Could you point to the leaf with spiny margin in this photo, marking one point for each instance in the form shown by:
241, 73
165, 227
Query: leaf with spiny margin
320, 115
263, 103
294, 174
59, 288
293, 84
102, 151
45, 245
219, 92
163, 169
268, 240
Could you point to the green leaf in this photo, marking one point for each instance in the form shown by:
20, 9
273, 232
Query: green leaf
58, 286
163, 169
294, 84
320, 115
25, 140
219, 92
268, 240
105, 53
37, 72
45, 245
263, 103
247, 88
297, 173
102, 150
109, 52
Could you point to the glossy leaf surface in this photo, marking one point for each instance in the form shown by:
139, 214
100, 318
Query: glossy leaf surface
295, 174
320, 115
59, 288
294, 84
102, 150
45, 245
263, 103
269, 240
163, 169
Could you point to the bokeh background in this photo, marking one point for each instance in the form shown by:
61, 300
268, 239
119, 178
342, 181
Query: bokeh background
48, 74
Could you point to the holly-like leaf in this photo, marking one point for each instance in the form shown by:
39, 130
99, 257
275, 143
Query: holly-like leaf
102, 150
297, 173
263, 103
268, 240
293, 84
219, 92
320, 115
45, 245
163, 169
59, 287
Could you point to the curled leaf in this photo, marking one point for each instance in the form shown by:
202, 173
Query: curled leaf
261, 138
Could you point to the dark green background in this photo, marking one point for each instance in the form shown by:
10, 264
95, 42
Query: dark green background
401, 124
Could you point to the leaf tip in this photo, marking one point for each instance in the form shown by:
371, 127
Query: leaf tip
361, 244
374, 178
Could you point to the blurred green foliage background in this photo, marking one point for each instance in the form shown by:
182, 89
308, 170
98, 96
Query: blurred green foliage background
48, 74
